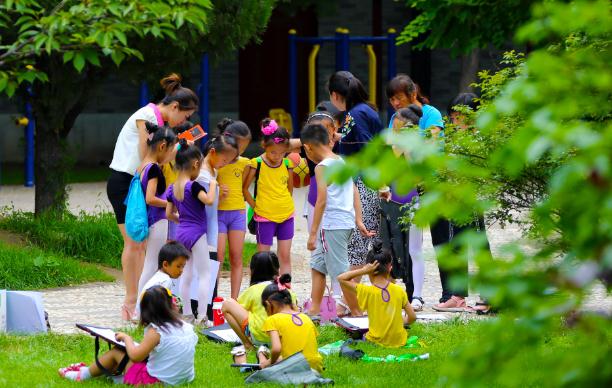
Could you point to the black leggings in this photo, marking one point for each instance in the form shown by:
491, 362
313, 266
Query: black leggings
443, 232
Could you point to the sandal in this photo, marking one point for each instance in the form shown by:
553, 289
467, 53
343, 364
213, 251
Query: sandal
479, 308
127, 314
72, 368
238, 351
347, 310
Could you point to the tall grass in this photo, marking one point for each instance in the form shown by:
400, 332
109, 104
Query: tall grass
89, 237
28, 268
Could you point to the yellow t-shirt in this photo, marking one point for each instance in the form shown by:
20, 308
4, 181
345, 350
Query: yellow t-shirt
231, 176
384, 318
273, 201
250, 299
170, 173
295, 337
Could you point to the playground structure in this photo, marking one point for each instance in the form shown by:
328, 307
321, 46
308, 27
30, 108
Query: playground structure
342, 41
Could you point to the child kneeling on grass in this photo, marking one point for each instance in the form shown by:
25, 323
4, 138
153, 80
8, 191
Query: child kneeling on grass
290, 331
246, 316
168, 343
383, 300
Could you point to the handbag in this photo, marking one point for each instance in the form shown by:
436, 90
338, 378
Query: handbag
328, 307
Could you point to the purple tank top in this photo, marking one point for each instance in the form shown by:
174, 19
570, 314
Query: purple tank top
154, 213
312, 191
192, 216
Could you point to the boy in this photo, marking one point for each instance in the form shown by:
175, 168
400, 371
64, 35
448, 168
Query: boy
337, 211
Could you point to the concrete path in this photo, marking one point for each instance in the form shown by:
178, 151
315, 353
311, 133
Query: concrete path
99, 303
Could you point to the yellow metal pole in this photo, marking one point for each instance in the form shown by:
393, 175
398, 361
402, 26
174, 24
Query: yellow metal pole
312, 78
371, 72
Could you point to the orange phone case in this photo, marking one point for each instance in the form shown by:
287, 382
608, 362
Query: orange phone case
194, 133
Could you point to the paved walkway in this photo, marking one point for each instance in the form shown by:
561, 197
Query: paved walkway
99, 303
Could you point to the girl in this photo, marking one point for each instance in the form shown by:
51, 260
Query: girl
273, 205
232, 212
178, 104
166, 353
383, 300
247, 315
189, 199
361, 124
406, 245
161, 143
290, 331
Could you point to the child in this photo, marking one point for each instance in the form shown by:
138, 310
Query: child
170, 264
232, 212
273, 206
189, 199
290, 331
407, 245
160, 149
247, 315
383, 300
166, 353
334, 216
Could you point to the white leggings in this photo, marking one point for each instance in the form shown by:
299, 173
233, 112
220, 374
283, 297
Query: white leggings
158, 233
198, 263
415, 248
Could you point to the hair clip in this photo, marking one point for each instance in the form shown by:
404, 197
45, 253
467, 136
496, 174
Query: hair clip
150, 136
168, 291
278, 140
178, 147
270, 128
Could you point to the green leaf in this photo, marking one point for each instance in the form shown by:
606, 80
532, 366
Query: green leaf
121, 37
68, 55
79, 62
117, 57
3, 81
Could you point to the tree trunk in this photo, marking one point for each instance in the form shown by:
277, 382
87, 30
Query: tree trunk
469, 69
51, 165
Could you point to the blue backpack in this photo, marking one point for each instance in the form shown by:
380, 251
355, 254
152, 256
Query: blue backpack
136, 219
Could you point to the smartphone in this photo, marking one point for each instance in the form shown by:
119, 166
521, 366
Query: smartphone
194, 133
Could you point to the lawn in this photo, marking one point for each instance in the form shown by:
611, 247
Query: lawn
30, 268
33, 361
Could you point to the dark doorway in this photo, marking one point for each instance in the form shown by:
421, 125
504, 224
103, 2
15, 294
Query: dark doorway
264, 67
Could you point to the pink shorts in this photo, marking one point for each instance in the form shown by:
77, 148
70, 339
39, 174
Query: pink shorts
139, 375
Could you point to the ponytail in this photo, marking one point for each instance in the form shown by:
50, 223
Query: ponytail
381, 255
278, 291
233, 128
350, 87
221, 144
272, 133
158, 134
186, 154
186, 98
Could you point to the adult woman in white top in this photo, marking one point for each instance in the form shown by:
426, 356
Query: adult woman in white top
175, 108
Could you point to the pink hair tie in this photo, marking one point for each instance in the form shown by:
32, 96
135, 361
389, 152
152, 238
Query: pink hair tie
270, 128
278, 140
150, 137
282, 286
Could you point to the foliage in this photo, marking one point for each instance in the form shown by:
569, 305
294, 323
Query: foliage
548, 124
49, 352
87, 237
463, 25
33, 268
249, 250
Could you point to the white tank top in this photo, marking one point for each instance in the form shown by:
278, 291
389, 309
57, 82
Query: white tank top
126, 157
172, 360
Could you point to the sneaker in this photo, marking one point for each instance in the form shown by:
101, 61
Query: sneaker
190, 318
204, 323
417, 303
454, 304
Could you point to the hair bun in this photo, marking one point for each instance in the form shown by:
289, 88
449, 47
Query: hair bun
171, 83
151, 128
284, 279
416, 110
222, 125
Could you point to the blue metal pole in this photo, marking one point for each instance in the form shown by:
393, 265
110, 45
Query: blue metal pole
342, 49
144, 94
204, 95
293, 103
391, 59
29, 145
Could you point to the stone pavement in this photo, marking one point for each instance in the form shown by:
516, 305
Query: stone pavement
99, 303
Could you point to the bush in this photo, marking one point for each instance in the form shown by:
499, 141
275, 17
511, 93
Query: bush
93, 238
31, 268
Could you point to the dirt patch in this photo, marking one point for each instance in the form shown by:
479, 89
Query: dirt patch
12, 239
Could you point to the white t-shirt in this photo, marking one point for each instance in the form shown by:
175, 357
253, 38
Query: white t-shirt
339, 210
172, 360
126, 157
161, 279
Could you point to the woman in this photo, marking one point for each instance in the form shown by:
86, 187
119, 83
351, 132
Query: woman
361, 124
178, 104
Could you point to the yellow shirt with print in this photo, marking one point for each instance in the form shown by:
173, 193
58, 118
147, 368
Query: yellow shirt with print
231, 176
250, 299
273, 202
386, 325
296, 338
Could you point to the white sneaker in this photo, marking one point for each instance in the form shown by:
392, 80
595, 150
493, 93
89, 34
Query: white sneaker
417, 303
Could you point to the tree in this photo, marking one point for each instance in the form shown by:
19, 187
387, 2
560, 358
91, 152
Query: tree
548, 116
56, 52
465, 27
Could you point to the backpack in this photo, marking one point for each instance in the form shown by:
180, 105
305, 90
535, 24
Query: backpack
252, 224
136, 219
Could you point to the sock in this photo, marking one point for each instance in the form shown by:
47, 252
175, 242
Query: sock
73, 375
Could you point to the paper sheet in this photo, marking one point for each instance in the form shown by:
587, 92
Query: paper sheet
227, 335
432, 317
360, 322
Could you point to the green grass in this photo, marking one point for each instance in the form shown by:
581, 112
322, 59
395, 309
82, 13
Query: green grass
12, 174
27, 268
33, 361
92, 238
249, 250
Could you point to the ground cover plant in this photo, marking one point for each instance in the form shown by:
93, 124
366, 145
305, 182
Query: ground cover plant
35, 359
30, 268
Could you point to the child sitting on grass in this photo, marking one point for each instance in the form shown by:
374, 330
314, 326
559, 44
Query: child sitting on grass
247, 315
166, 353
290, 331
383, 300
